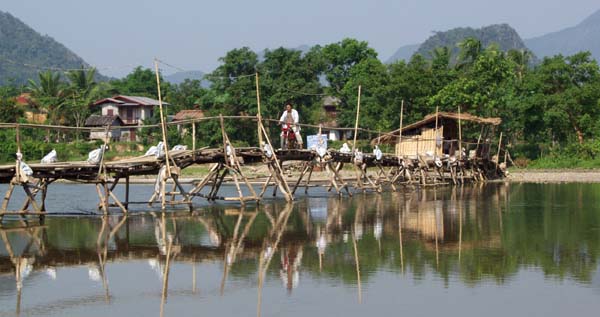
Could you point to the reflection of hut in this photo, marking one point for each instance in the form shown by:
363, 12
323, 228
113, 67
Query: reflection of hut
428, 221
422, 137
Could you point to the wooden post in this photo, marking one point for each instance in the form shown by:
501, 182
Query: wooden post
127, 191
400, 131
459, 136
163, 125
258, 114
498, 153
356, 123
194, 140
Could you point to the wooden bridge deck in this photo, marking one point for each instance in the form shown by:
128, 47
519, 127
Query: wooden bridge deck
150, 165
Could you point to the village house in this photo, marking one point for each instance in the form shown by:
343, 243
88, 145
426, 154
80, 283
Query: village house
183, 115
132, 110
31, 111
101, 122
330, 123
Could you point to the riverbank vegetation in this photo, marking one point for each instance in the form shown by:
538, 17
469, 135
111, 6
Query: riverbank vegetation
550, 111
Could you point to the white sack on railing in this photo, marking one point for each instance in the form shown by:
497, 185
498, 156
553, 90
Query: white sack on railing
95, 156
50, 157
179, 147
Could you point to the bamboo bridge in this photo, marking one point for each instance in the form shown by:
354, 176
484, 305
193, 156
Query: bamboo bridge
373, 172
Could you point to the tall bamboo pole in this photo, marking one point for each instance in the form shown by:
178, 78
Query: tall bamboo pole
194, 140
436, 129
356, 124
162, 119
459, 136
258, 114
498, 153
400, 131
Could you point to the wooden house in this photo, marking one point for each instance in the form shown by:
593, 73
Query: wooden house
100, 122
330, 124
132, 110
183, 115
437, 134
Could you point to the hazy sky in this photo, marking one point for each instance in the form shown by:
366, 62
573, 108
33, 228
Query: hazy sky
192, 35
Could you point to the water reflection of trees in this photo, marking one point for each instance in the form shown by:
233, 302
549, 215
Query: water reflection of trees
472, 233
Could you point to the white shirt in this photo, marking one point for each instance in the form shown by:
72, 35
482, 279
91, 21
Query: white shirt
284, 118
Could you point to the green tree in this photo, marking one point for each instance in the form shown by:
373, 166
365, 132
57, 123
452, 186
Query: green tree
50, 93
141, 82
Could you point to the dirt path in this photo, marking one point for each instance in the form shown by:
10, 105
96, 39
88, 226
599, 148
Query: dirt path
556, 176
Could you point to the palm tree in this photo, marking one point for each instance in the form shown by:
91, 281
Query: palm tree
82, 91
440, 57
521, 58
49, 93
82, 80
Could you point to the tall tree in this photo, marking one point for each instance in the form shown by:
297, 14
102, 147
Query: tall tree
50, 93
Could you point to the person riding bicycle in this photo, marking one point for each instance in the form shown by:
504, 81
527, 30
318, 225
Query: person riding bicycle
289, 120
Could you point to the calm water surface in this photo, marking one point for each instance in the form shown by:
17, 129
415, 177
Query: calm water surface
491, 250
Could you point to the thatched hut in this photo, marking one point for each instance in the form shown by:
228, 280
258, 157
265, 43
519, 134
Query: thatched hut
422, 137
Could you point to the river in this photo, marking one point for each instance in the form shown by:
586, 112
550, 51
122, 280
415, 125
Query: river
499, 249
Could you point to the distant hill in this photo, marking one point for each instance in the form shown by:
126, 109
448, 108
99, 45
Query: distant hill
502, 34
403, 53
23, 52
179, 77
583, 37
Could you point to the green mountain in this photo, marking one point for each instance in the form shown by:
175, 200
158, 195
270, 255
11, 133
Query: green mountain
583, 37
25, 52
501, 34
403, 53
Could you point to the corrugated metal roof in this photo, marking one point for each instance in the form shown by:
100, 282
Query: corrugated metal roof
122, 100
144, 101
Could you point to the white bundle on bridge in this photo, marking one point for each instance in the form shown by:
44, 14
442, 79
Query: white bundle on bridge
95, 156
160, 150
50, 157
378, 153
179, 147
24, 168
151, 151
156, 150
358, 156
267, 149
345, 148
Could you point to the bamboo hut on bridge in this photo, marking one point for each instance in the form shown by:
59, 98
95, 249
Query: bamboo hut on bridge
437, 134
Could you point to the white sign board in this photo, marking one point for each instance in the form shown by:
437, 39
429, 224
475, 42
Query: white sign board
312, 141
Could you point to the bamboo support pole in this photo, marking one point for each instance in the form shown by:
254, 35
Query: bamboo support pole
459, 136
258, 114
163, 126
356, 122
194, 141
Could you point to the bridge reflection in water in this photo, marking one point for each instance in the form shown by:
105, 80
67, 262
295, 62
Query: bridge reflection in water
472, 234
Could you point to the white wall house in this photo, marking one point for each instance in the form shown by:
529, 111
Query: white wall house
132, 110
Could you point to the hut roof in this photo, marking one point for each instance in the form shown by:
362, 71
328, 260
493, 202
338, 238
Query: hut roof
101, 121
391, 137
188, 114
